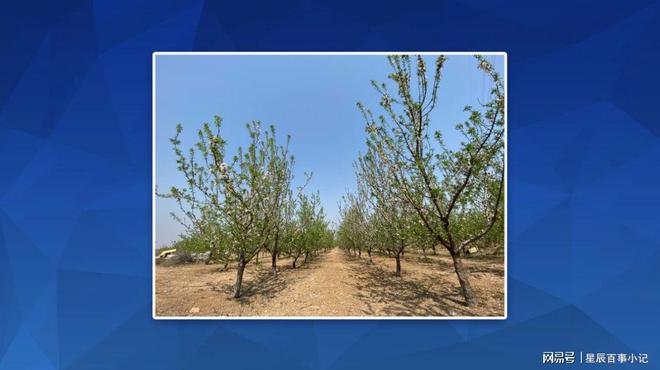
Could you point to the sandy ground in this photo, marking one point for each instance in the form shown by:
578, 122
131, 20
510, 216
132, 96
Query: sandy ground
334, 284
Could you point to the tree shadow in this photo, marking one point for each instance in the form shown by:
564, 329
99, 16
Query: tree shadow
491, 270
263, 284
218, 269
485, 265
403, 297
310, 265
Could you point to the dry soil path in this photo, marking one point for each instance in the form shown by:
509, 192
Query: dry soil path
324, 290
334, 284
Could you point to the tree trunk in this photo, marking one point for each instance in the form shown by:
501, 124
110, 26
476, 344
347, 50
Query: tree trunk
275, 253
359, 253
398, 264
369, 253
293, 265
239, 277
466, 289
211, 256
273, 263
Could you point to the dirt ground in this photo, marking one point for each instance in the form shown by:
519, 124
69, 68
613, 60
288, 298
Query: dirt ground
334, 284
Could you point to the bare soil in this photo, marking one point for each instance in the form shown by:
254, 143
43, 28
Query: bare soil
334, 284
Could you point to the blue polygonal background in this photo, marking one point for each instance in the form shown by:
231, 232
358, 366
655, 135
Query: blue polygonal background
75, 197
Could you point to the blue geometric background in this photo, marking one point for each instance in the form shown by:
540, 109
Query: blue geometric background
75, 196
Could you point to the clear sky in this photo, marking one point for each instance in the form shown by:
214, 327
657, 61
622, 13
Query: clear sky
312, 98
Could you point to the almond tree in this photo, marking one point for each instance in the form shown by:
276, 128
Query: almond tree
310, 232
241, 196
352, 230
440, 184
283, 205
393, 219
198, 216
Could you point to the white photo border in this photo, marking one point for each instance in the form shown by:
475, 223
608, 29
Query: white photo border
321, 53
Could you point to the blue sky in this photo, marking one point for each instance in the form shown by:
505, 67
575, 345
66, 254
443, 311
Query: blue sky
312, 98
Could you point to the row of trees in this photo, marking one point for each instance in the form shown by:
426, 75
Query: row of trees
238, 207
414, 190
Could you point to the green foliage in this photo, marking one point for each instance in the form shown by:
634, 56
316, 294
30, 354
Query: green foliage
354, 229
444, 188
422, 192
192, 244
236, 206
308, 232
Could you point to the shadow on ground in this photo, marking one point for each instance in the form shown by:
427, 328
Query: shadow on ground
402, 297
474, 264
263, 283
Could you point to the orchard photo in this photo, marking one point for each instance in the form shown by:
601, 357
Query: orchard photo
329, 185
